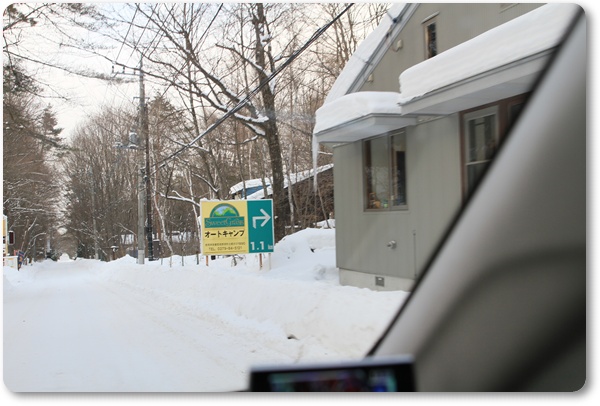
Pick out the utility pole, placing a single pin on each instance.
(144, 225)
(93, 193)
(140, 233)
(143, 120)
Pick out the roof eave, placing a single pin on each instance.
(364, 127)
(500, 83)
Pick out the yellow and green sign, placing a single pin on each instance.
(237, 227)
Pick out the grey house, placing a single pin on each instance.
(414, 119)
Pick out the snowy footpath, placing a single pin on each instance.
(91, 326)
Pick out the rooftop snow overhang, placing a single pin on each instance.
(357, 116)
(500, 63)
(488, 87)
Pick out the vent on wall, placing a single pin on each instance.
(379, 281)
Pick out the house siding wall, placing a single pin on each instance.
(436, 181)
(455, 24)
(434, 193)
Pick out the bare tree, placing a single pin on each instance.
(341, 41)
(101, 185)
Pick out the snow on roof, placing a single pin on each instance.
(355, 105)
(294, 177)
(249, 184)
(364, 53)
(527, 35)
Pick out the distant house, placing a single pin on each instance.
(246, 188)
(414, 120)
(310, 206)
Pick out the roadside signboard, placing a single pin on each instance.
(237, 226)
(260, 227)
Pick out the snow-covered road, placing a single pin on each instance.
(90, 326)
(86, 335)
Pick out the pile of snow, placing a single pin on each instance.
(298, 293)
(65, 258)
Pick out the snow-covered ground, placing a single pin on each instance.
(174, 326)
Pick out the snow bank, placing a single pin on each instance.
(65, 258)
(299, 297)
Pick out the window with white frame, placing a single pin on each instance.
(385, 172)
(483, 128)
(481, 141)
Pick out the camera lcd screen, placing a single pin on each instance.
(371, 375)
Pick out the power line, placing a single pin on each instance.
(126, 34)
(201, 41)
(135, 45)
(255, 91)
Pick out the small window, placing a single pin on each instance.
(483, 129)
(431, 48)
(385, 172)
(481, 141)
